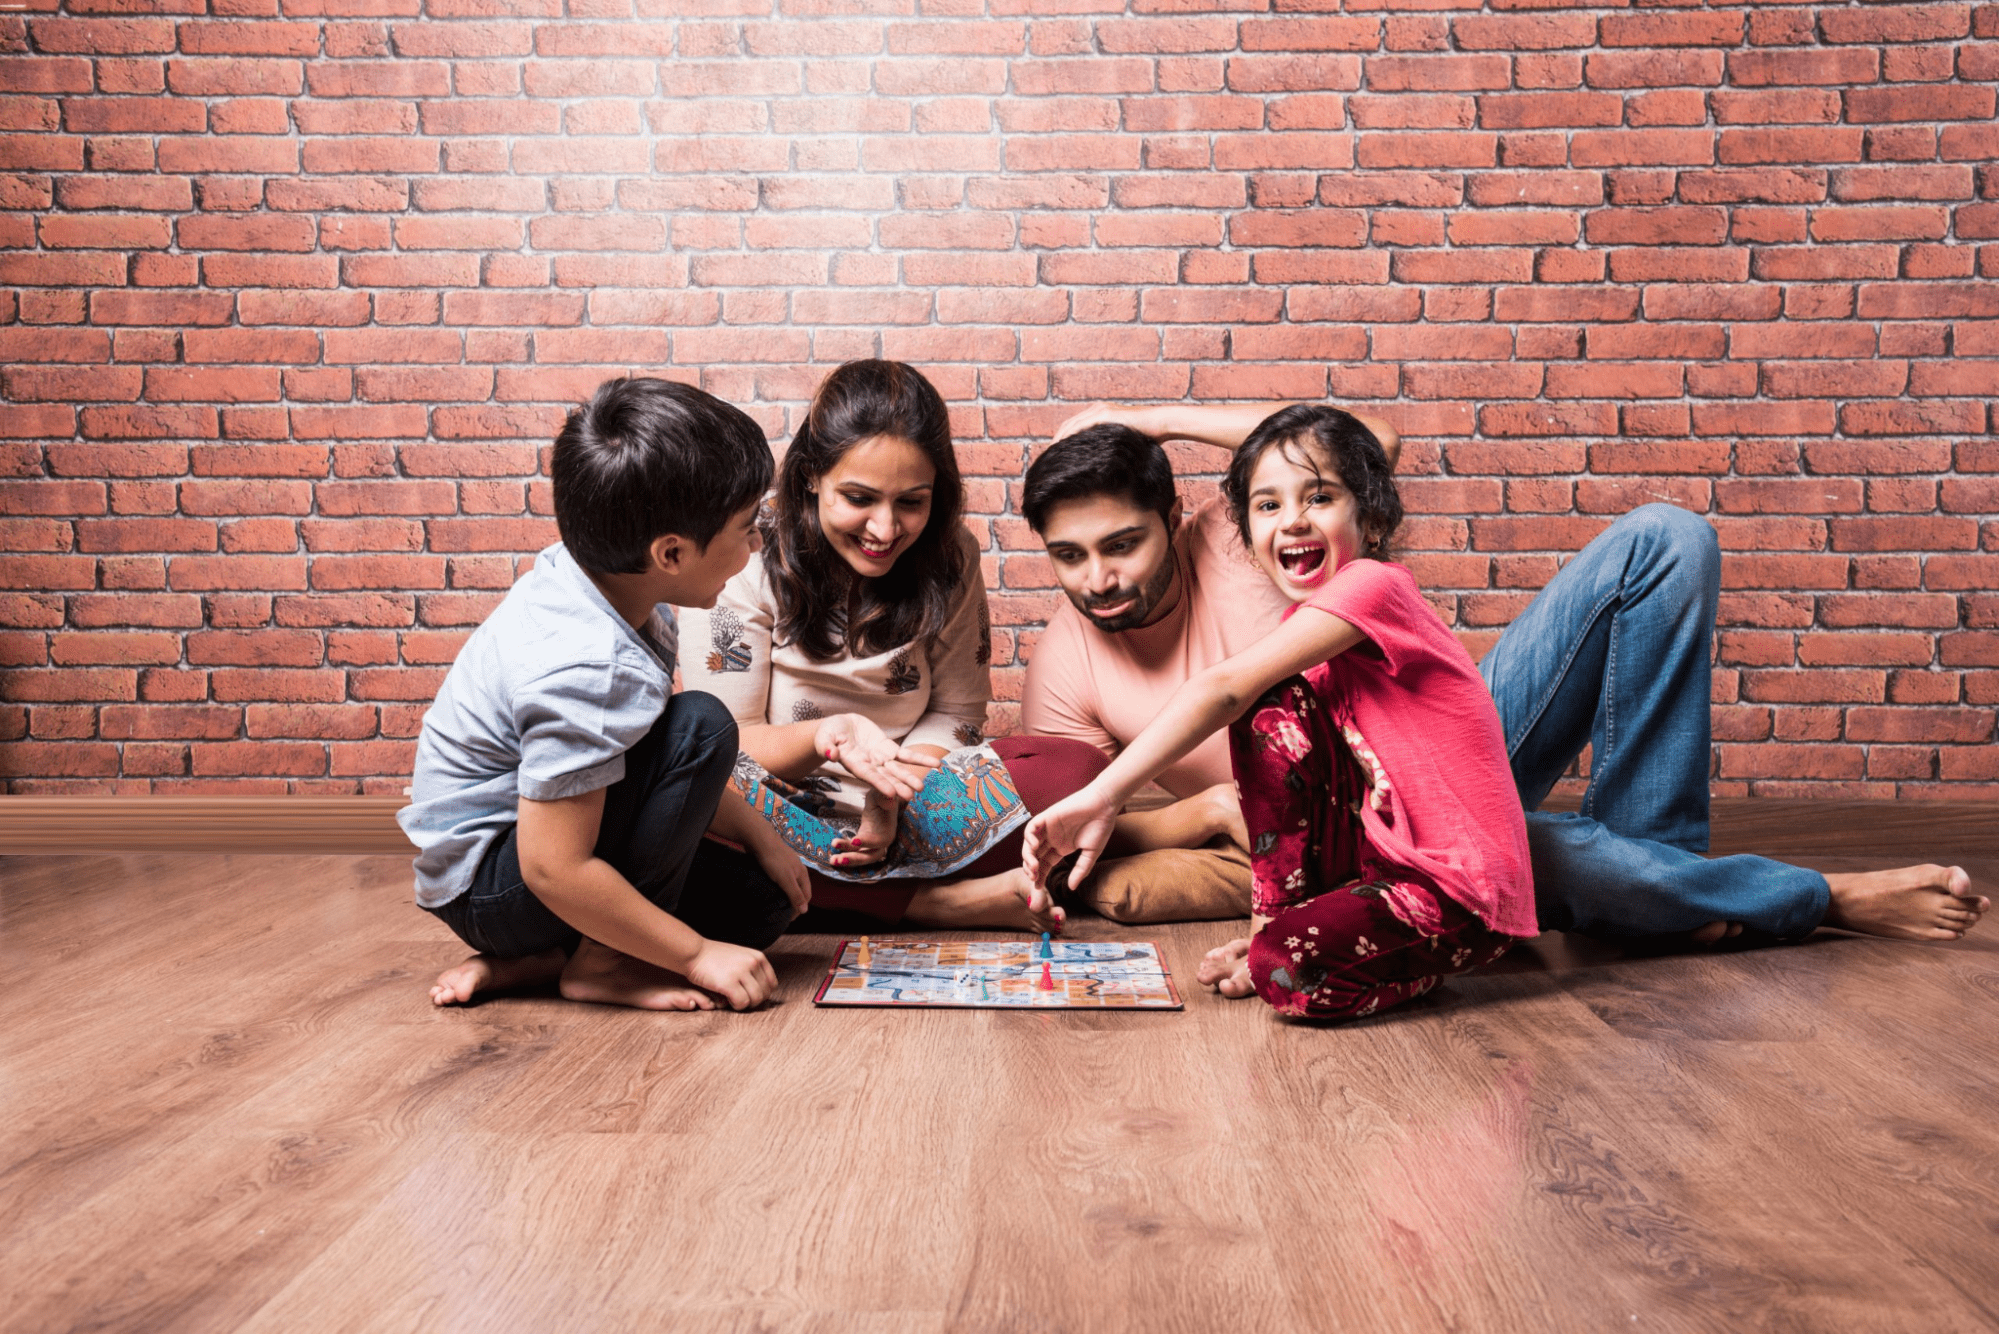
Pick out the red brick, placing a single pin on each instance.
(114, 647)
(162, 722)
(347, 722)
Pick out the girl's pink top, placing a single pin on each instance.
(1444, 801)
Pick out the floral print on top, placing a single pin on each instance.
(925, 694)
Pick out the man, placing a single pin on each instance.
(1613, 653)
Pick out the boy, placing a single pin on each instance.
(562, 789)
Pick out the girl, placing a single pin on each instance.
(853, 654)
(1387, 842)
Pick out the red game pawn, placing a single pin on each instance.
(1047, 983)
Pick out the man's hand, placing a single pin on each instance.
(872, 757)
(737, 974)
(1082, 821)
(1099, 413)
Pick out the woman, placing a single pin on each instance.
(853, 653)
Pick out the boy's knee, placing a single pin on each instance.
(696, 723)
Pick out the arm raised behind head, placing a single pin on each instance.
(1223, 424)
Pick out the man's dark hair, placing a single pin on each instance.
(648, 457)
(1109, 459)
(1322, 435)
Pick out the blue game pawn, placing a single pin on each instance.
(1047, 952)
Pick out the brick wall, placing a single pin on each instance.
(298, 290)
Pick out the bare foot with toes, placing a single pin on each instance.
(1226, 969)
(987, 901)
(611, 978)
(490, 973)
(1926, 903)
(1715, 933)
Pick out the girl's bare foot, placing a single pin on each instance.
(1226, 969)
(1926, 903)
(610, 978)
(988, 901)
(490, 973)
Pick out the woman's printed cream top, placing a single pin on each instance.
(922, 694)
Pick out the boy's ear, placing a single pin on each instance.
(669, 551)
(1175, 515)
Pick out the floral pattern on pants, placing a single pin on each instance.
(1349, 934)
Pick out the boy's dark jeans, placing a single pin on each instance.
(653, 821)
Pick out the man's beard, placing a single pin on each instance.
(1141, 608)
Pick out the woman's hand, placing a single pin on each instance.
(891, 769)
(870, 843)
(1081, 822)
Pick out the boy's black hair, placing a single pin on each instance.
(648, 457)
(1335, 437)
(1108, 459)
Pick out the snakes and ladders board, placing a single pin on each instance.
(1001, 975)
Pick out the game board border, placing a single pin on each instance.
(840, 952)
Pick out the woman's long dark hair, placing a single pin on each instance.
(810, 580)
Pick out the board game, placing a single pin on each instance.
(1000, 975)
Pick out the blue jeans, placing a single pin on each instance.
(1614, 653)
(651, 832)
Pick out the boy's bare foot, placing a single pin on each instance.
(490, 973)
(988, 901)
(1926, 903)
(1715, 933)
(610, 978)
(1226, 969)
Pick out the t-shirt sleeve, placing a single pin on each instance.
(961, 680)
(1381, 601)
(1231, 578)
(1060, 697)
(725, 649)
(575, 724)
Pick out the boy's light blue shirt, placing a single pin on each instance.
(543, 702)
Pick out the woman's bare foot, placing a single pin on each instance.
(1926, 903)
(988, 901)
(1715, 933)
(1226, 969)
(871, 839)
(610, 978)
(490, 973)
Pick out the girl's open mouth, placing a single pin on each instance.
(871, 551)
(1301, 559)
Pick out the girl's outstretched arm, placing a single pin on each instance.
(1211, 699)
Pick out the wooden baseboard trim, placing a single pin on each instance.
(223, 824)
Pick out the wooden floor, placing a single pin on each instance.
(225, 1103)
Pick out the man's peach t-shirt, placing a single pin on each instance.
(1104, 688)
